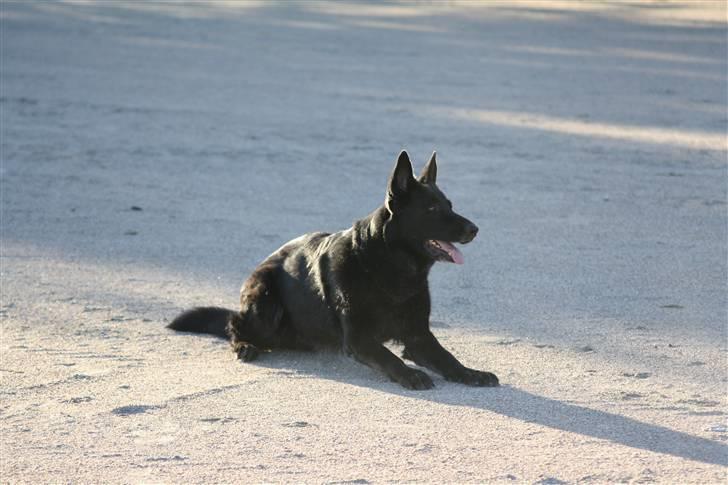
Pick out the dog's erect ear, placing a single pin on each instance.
(400, 181)
(429, 173)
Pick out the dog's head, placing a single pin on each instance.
(422, 217)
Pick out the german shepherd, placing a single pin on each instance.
(356, 289)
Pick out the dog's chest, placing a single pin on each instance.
(396, 320)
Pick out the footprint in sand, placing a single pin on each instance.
(297, 424)
(218, 420)
(638, 375)
(544, 346)
(508, 342)
(550, 481)
(718, 428)
(78, 400)
(700, 402)
(132, 409)
(167, 458)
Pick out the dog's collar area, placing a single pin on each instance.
(444, 251)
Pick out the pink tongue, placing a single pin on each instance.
(455, 254)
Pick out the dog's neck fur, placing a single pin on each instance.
(385, 255)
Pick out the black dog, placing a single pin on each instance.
(356, 289)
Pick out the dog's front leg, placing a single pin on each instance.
(377, 356)
(426, 351)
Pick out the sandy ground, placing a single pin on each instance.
(588, 142)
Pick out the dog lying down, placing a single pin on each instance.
(356, 289)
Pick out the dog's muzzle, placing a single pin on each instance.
(471, 230)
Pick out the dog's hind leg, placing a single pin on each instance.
(261, 323)
(241, 338)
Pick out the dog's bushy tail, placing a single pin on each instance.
(212, 320)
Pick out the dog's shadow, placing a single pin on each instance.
(508, 401)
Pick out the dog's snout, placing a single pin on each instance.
(471, 230)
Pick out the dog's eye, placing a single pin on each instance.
(432, 208)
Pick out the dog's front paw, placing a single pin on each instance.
(472, 377)
(415, 379)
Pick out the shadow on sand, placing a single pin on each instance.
(511, 402)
